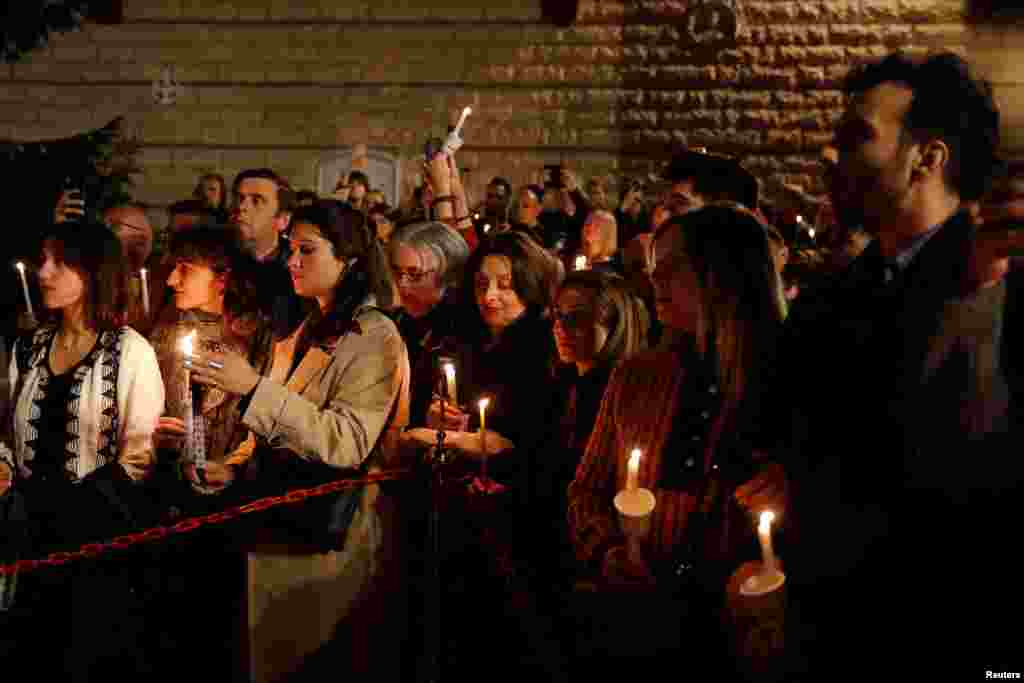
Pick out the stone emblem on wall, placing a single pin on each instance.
(166, 88)
(711, 23)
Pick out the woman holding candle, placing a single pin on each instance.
(336, 397)
(597, 323)
(695, 410)
(426, 263)
(212, 298)
(505, 352)
(86, 394)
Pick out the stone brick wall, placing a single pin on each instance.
(279, 82)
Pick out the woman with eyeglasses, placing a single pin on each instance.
(426, 263)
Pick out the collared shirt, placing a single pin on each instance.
(899, 263)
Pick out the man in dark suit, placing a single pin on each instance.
(904, 466)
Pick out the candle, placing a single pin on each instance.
(764, 534)
(143, 275)
(24, 288)
(811, 232)
(580, 263)
(449, 373)
(462, 119)
(484, 402)
(633, 469)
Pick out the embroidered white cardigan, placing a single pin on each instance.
(123, 365)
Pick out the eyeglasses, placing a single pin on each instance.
(574, 319)
(414, 277)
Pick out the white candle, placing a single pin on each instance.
(462, 119)
(484, 402)
(580, 263)
(764, 534)
(633, 469)
(24, 288)
(449, 373)
(186, 351)
(144, 276)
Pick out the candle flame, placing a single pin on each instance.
(142, 272)
(581, 262)
(634, 458)
(811, 233)
(20, 266)
(449, 372)
(487, 227)
(767, 517)
(186, 343)
(484, 402)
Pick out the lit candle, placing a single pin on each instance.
(187, 343)
(633, 469)
(580, 263)
(484, 402)
(487, 228)
(186, 351)
(810, 232)
(24, 288)
(764, 533)
(144, 276)
(462, 119)
(449, 373)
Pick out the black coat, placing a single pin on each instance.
(903, 412)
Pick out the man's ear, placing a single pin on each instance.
(281, 221)
(933, 157)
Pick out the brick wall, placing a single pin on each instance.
(278, 82)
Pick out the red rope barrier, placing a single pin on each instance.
(93, 550)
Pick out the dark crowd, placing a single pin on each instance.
(635, 425)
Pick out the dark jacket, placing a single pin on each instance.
(903, 428)
(516, 375)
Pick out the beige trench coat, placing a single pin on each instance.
(333, 408)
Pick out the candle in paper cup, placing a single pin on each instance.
(764, 534)
(144, 276)
(449, 374)
(633, 469)
(24, 287)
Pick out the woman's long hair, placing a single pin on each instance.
(618, 309)
(740, 311)
(95, 253)
(367, 272)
